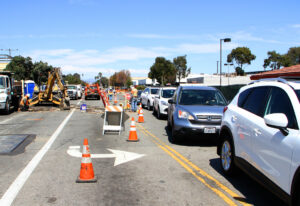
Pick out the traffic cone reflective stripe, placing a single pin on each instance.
(132, 133)
(141, 117)
(86, 170)
(140, 108)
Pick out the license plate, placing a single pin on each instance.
(209, 130)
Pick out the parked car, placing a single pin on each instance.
(72, 91)
(147, 97)
(260, 135)
(160, 104)
(195, 110)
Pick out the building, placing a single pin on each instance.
(214, 80)
(292, 71)
(3, 65)
(143, 81)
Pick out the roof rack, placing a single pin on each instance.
(285, 80)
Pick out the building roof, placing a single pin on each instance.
(291, 71)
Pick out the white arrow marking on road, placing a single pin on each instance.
(121, 156)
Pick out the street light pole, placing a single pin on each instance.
(225, 40)
(228, 70)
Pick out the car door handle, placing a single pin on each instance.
(257, 132)
(233, 118)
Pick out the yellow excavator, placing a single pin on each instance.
(51, 95)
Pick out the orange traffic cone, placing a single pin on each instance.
(141, 117)
(86, 170)
(140, 108)
(132, 134)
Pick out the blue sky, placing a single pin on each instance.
(91, 36)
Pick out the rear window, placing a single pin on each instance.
(71, 87)
(201, 97)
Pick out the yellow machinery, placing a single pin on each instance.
(58, 97)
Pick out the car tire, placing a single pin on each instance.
(148, 106)
(227, 157)
(158, 115)
(85, 98)
(154, 110)
(7, 107)
(76, 97)
(169, 126)
(174, 136)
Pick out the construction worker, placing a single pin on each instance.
(134, 93)
(24, 104)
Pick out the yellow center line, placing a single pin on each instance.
(218, 192)
(200, 171)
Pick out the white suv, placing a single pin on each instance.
(160, 104)
(147, 97)
(260, 135)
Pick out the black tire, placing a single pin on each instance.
(158, 113)
(148, 106)
(169, 126)
(175, 136)
(227, 157)
(7, 107)
(76, 97)
(154, 110)
(85, 98)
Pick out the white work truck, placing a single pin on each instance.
(8, 94)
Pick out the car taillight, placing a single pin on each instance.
(225, 109)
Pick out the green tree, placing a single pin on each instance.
(239, 71)
(72, 79)
(181, 68)
(104, 81)
(276, 60)
(241, 56)
(40, 72)
(161, 69)
(294, 55)
(21, 67)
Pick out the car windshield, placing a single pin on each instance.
(167, 93)
(201, 97)
(154, 91)
(298, 94)
(71, 87)
(92, 87)
(2, 83)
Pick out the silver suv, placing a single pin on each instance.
(260, 135)
(195, 109)
(147, 97)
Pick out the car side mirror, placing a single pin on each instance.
(170, 101)
(278, 121)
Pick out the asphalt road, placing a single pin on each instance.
(41, 172)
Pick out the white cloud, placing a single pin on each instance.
(296, 26)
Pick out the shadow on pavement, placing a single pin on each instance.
(253, 192)
(199, 140)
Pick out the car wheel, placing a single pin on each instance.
(7, 107)
(174, 137)
(158, 113)
(169, 126)
(85, 98)
(148, 106)
(227, 157)
(154, 110)
(76, 97)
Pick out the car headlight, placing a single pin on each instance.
(185, 115)
(2, 98)
(164, 103)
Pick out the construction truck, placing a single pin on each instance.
(92, 91)
(56, 95)
(8, 93)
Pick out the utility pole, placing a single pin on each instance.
(217, 67)
(9, 50)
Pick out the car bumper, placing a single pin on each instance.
(2, 105)
(92, 96)
(186, 127)
(163, 109)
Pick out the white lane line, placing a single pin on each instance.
(79, 102)
(17, 185)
